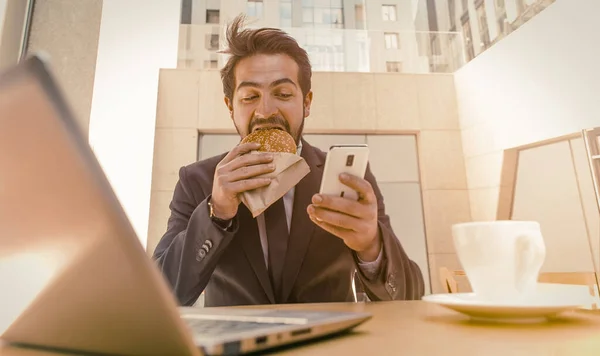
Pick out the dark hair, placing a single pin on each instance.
(248, 42)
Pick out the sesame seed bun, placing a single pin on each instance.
(272, 140)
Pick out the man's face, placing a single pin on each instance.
(267, 95)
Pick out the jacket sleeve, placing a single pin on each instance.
(398, 278)
(188, 252)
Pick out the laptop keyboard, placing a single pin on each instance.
(217, 327)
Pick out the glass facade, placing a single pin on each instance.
(481, 22)
(322, 14)
(388, 12)
(339, 35)
(285, 13)
(254, 8)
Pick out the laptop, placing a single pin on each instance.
(74, 275)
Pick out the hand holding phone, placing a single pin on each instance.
(340, 210)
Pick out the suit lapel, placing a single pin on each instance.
(252, 248)
(302, 227)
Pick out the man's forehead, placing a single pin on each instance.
(265, 69)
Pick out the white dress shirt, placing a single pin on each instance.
(370, 269)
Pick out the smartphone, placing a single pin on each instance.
(351, 159)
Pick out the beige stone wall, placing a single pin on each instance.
(483, 164)
(192, 100)
(68, 31)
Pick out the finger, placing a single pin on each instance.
(334, 230)
(361, 186)
(335, 218)
(247, 184)
(250, 171)
(240, 150)
(343, 205)
(249, 160)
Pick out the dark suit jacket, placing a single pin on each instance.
(318, 265)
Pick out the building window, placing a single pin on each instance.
(393, 67)
(321, 16)
(211, 64)
(465, 6)
(318, 16)
(436, 49)
(212, 42)
(186, 12)
(307, 15)
(388, 12)
(503, 25)
(484, 32)
(391, 40)
(501, 18)
(254, 8)
(468, 40)
(336, 18)
(325, 50)
(521, 7)
(212, 16)
(452, 13)
(359, 16)
(363, 56)
(285, 14)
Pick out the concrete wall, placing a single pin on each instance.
(68, 30)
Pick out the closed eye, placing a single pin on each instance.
(285, 96)
(250, 98)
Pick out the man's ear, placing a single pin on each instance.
(229, 107)
(307, 102)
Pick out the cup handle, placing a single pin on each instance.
(531, 252)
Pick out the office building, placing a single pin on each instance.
(481, 22)
(339, 35)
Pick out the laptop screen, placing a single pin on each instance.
(69, 258)
(46, 218)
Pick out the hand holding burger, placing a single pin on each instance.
(240, 171)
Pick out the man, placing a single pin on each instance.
(213, 244)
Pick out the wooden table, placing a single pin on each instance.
(418, 328)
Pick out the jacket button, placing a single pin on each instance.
(392, 279)
(391, 284)
(208, 243)
(201, 255)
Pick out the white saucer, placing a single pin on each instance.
(537, 308)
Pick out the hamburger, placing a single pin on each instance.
(272, 140)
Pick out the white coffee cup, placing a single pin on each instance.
(502, 259)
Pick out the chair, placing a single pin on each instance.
(447, 280)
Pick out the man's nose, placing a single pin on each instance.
(266, 107)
